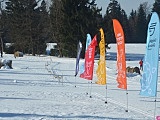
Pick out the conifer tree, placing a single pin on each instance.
(113, 11)
(56, 21)
(132, 25)
(25, 23)
(156, 7)
(78, 17)
(41, 28)
(141, 26)
(16, 16)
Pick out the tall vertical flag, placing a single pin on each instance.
(88, 41)
(150, 64)
(89, 60)
(121, 57)
(101, 70)
(79, 49)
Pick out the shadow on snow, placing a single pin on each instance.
(55, 116)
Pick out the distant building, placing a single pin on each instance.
(50, 46)
(7, 45)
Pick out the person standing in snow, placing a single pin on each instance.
(141, 64)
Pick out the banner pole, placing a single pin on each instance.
(127, 100)
(106, 94)
(75, 81)
(90, 90)
(155, 108)
(87, 88)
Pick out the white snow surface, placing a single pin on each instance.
(45, 88)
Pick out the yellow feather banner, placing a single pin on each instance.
(101, 70)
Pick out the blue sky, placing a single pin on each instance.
(127, 5)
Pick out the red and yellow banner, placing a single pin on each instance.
(89, 60)
(101, 70)
(121, 58)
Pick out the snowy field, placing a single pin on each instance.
(32, 91)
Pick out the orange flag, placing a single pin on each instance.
(101, 70)
(121, 58)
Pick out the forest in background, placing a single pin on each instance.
(30, 25)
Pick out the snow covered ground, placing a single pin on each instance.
(32, 91)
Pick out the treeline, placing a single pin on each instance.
(30, 24)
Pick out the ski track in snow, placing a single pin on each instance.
(30, 92)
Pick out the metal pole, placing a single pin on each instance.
(1, 47)
(2, 31)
